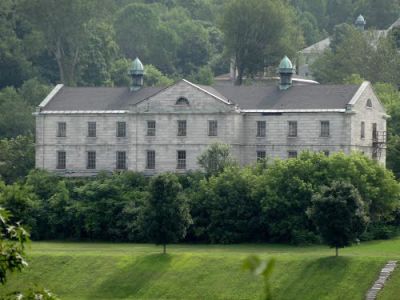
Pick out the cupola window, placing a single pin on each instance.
(182, 101)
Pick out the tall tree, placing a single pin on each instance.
(339, 214)
(256, 31)
(62, 24)
(167, 214)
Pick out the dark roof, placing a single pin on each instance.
(98, 98)
(296, 97)
(246, 97)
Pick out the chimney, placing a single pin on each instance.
(136, 72)
(285, 71)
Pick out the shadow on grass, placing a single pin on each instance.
(315, 280)
(129, 280)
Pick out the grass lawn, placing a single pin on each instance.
(138, 271)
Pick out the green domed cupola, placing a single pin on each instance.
(285, 71)
(136, 71)
(360, 23)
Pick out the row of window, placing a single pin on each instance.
(212, 129)
(120, 161)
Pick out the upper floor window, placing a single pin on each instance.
(151, 159)
(369, 103)
(261, 155)
(151, 128)
(181, 159)
(181, 127)
(121, 160)
(261, 128)
(61, 160)
(91, 129)
(213, 128)
(61, 129)
(324, 128)
(362, 130)
(182, 101)
(292, 154)
(121, 129)
(292, 128)
(91, 160)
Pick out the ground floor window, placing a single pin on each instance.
(121, 160)
(61, 159)
(292, 154)
(181, 163)
(151, 159)
(91, 160)
(260, 155)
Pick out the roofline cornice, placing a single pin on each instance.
(50, 96)
(318, 110)
(207, 92)
(80, 112)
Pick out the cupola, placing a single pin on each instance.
(360, 23)
(136, 72)
(285, 71)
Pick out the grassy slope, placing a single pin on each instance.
(124, 271)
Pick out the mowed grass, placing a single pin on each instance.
(138, 271)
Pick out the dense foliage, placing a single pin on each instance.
(264, 202)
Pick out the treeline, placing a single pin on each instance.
(260, 203)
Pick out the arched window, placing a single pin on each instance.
(369, 103)
(182, 101)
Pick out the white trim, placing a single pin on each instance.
(50, 96)
(339, 110)
(207, 92)
(69, 112)
(359, 92)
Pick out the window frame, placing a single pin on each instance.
(92, 129)
(61, 130)
(261, 155)
(292, 129)
(120, 161)
(182, 101)
(212, 127)
(181, 161)
(261, 128)
(121, 129)
(181, 128)
(151, 131)
(292, 154)
(91, 161)
(150, 159)
(61, 162)
(325, 129)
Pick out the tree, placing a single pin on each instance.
(339, 214)
(17, 158)
(256, 32)
(62, 25)
(154, 77)
(166, 216)
(216, 158)
(12, 244)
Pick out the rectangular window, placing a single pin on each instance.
(292, 154)
(151, 128)
(61, 160)
(362, 130)
(260, 128)
(260, 155)
(326, 152)
(292, 128)
(374, 132)
(62, 129)
(213, 128)
(181, 163)
(91, 160)
(324, 128)
(151, 159)
(121, 129)
(181, 127)
(91, 129)
(121, 160)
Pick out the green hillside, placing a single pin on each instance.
(137, 271)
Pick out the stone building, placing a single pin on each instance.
(83, 130)
(307, 56)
